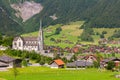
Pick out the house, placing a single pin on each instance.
(29, 43)
(3, 47)
(75, 49)
(79, 64)
(9, 62)
(90, 58)
(2, 64)
(57, 64)
(104, 62)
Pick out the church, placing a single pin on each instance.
(29, 43)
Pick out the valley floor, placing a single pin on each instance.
(42, 73)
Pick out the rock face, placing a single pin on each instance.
(27, 9)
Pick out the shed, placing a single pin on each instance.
(57, 64)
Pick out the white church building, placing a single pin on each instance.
(29, 43)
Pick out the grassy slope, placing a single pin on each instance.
(71, 32)
(40, 73)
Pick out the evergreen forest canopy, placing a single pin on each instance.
(96, 13)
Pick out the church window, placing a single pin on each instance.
(19, 44)
(15, 44)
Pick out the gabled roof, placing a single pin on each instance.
(111, 59)
(16, 38)
(6, 59)
(26, 38)
(86, 57)
(59, 62)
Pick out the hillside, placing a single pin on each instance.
(70, 33)
(7, 25)
(105, 14)
(95, 13)
(67, 37)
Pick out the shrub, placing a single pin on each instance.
(58, 30)
(110, 65)
(104, 32)
(102, 36)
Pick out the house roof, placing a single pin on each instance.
(59, 62)
(83, 63)
(86, 57)
(73, 64)
(6, 59)
(2, 64)
(80, 63)
(111, 59)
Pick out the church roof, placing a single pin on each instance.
(30, 38)
(16, 38)
(26, 38)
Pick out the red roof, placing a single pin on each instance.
(59, 62)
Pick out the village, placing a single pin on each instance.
(32, 52)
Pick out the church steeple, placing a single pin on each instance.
(40, 37)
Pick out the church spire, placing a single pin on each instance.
(40, 24)
(40, 37)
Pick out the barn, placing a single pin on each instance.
(58, 63)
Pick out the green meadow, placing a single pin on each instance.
(42, 73)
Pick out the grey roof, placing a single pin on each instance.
(30, 38)
(26, 38)
(6, 59)
(71, 64)
(83, 63)
(2, 64)
(110, 59)
(80, 63)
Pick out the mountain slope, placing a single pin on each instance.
(96, 13)
(7, 25)
(104, 14)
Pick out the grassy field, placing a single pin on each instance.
(70, 32)
(40, 73)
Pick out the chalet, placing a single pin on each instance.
(9, 62)
(90, 58)
(2, 64)
(57, 64)
(79, 64)
(75, 49)
(104, 62)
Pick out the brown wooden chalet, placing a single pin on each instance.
(104, 62)
(7, 61)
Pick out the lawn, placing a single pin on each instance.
(41, 73)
